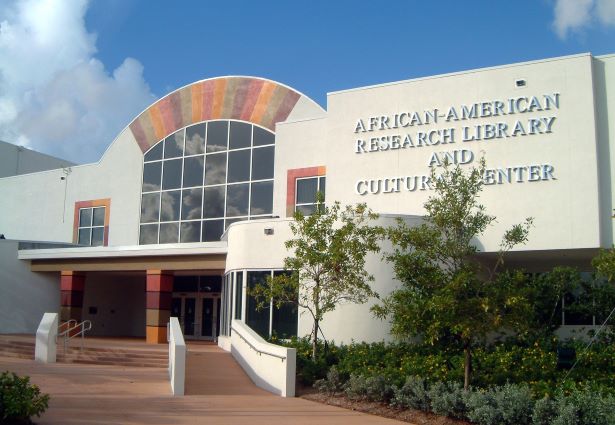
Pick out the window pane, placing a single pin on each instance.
(151, 176)
(262, 163)
(169, 207)
(237, 200)
(217, 135)
(212, 230)
(306, 190)
(148, 234)
(215, 169)
(258, 320)
(240, 135)
(262, 137)
(174, 145)
(191, 203)
(84, 236)
(195, 139)
(239, 166)
(230, 221)
(322, 186)
(98, 236)
(190, 232)
(285, 318)
(85, 217)
(193, 171)
(154, 153)
(213, 202)
(262, 198)
(150, 206)
(99, 216)
(169, 232)
(172, 174)
(238, 294)
(306, 209)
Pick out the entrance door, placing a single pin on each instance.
(197, 314)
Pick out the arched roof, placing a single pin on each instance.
(259, 101)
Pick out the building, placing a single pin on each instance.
(190, 203)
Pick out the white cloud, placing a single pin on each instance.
(55, 96)
(574, 15)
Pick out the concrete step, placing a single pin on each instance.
(115, 363)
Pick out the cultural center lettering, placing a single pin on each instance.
(532, 115)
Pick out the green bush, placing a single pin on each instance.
(414, 394)
(20, 400)
(372, 388)
(332, 384)
(506, 405)
(447, 399)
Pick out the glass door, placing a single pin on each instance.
(184, 308)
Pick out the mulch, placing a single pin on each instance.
(379, 409)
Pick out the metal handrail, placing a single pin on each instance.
(68, 334)
(256, 349)
(71, 322)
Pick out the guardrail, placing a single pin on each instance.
(177, 357)
(270, 366)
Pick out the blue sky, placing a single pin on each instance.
(100, 62)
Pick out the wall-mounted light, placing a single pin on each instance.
(269, 231)
(520, 83)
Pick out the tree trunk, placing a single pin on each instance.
(467, 369)
(315, 341)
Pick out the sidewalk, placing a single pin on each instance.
(93, 394)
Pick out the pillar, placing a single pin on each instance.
(159, 289)
(72, 285)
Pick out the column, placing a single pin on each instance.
(159, 289)
(72, 285)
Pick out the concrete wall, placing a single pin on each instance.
(24, 296)
(16, 160)
(604, 88)
(42, 204)
(120, 304)
(565, 209)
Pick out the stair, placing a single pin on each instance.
(129, 357)
(15, 346)
(22, 346)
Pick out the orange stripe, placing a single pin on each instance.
(219, 89)
(263, 102)
(197, 102)
(157, 122)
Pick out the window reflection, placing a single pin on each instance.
(215, 169)
(239, 166)
(197, 181)
(237, 200)
(195, 139)
(169, 206)
(217, 136)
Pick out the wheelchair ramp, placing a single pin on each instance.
(212, 371)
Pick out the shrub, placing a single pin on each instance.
(413, 394)
(20, 400)
(584, 407)
(506, 405)
(447, 399)
(332, 384)
(545, 410)
(372, 388)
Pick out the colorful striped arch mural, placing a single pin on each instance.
(259, 101)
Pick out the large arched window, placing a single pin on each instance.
(202, 178)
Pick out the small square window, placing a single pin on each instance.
(91, 227)
(306, 192)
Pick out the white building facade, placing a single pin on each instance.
(190, 204)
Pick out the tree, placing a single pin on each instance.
(327, 266)
(447, 295)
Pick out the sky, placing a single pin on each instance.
(74, 73)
